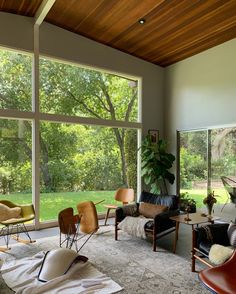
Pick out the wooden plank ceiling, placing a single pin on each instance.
(173, 29)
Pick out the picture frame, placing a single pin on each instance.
(154, 135)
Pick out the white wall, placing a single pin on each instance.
(17, 32)
(201, 91)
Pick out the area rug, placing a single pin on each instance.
(130, 262)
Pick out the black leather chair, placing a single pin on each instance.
(161, 224)
(204, 237)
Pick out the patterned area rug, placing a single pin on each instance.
(130, 262)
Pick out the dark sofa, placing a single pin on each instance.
(161, 224)
(202, 241)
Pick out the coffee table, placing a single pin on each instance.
(195, 219)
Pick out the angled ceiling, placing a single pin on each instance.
(173, 29)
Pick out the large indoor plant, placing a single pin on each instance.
(156, 162)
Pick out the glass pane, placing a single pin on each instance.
(15, 81)
(193, 165)
(72, 90)
(223, 160)
(81, 163)
(16, 158)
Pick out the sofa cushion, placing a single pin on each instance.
(9, 213)
(151, 210)
(168, 200)
(219, 254)
(232, 234)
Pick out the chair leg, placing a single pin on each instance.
(21, 228)
(116, 231)
(154, 240)
(107, 214)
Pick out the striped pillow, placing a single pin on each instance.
(232, 234)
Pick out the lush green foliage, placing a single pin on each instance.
(194, 159)
(73, 157)
(131, 156)
(156, 163)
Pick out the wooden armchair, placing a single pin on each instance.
(202, 243)
(221, 279)
(161, 225)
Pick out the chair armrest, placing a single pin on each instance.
(217, 231)
(163, 222)
(126, 210)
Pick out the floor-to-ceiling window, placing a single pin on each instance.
(88, 133)
(205, 157)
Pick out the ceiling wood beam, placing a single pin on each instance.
(43, 10)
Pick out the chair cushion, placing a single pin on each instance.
(219, 254)
(7, 213)
(151, 210)
(232, 234)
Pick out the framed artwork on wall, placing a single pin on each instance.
(154, 135)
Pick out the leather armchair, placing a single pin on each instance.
(204, 237)
(161, 224)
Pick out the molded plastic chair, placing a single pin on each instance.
(13, 227)
(221, 279)
(124, 195)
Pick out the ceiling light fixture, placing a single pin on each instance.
(142, 21)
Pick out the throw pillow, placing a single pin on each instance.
(219, 254)
(151, 210)
(8, 213)
(232, 234)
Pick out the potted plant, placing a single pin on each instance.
(156, 162)
(185, 201)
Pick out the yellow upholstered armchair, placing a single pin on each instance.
(12, 220)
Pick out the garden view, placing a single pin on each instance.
(77, 161)
(206, 156)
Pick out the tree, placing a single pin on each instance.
(69, 90)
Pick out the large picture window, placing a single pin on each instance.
(205, 157)
(78, 142)
(81, 163)
(73, 90)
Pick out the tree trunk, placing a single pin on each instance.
(120, 141)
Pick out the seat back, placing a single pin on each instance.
(221, 279)
(168, 200)
(66, 221)
(88, 217)
(124, 195)
(9, 203)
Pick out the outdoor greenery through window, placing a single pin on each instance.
(206, 156)
(72, 90)
(15, 81)
(81, 163)
(77, 162)
(16, 160)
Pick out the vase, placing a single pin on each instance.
(209, 210)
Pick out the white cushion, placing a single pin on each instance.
(219, 254)
(8, 213)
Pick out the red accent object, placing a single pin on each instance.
(221, 279)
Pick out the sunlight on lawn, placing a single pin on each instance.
(200, 194)
(52, 203)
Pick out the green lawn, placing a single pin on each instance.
(52, 203)
(199, 195)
